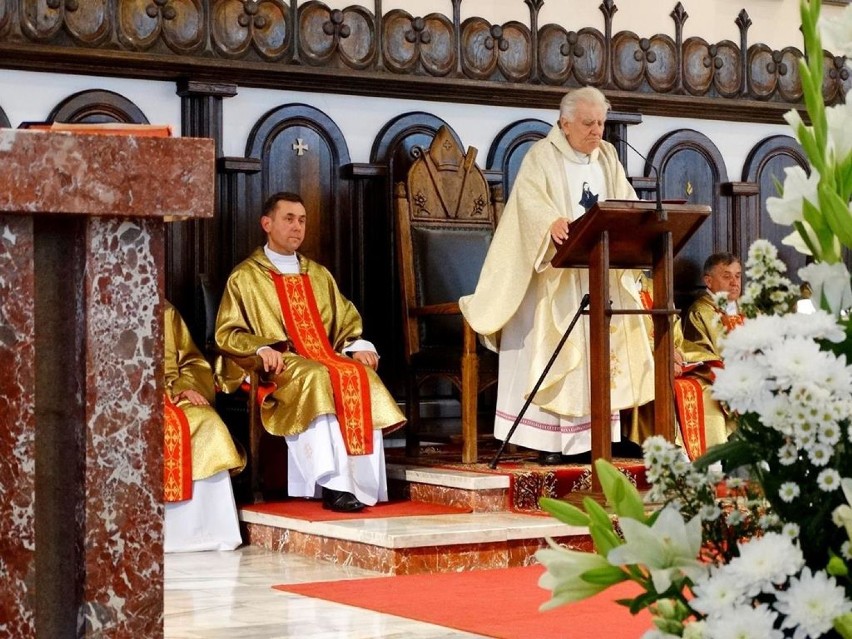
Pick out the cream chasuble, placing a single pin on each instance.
(523, 305)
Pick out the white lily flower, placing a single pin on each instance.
(564, 568)
(837, 33)
(798, 186)
(667, 549)
(830, 280)
(839, 118)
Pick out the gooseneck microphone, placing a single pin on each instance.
(661, 213)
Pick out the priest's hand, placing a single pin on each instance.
(273, 361)
(367, 358)
(559, 230)
(678, 363)
(193, 397)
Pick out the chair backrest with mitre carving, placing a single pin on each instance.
(446, 218)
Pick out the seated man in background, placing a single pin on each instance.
(707, 319)
(330, 407)
(200, 509)
(713, 314)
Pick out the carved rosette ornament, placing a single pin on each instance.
(87, 22)
(425, 43)
(337, 37)
(565, 54)
(772, 71)
(179, 24)
(715, 66)
(637, 60)
(241, 25)
(494, 49)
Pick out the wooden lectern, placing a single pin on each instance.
(629, 234)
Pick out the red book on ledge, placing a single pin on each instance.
(103, 128)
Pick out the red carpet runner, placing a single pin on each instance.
(312, 510)
(500, 603)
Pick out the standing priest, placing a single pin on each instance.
(522, 305)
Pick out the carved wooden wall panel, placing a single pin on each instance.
(4, 121)
(309, 46)
(766, 163)
(692, 169)
(302, 150)
(97, 106)
(511, 145)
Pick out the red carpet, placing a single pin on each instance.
(312, 510)
(500, 603)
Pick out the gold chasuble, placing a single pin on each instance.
(348, 377)
(251, 315)
(177, 465)
(197, 442)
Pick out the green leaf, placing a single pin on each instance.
(836, 214)
(604, 576)
(605, 538)
(620, 493)
(564, 512)
(843, 625)
(596, 513)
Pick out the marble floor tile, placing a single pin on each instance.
(213, 595)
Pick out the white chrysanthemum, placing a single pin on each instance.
(735, 483)
(796, 360)
(820, 454)
(829, 431)
(769, 521)
(709, 512)
(755, 335)
(744, 622)
(717, 593)
(742, 385)
(788, 491)
(788, 454)
(818, 325)
(791, 530)
(811, 602)
(766, 562)
(798, 186)
(828, 480)
(734, 518)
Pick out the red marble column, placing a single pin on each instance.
(17, 427)
(81, 281)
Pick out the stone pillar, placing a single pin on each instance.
(81, 280)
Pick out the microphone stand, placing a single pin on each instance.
(583, 304)
(662, 215)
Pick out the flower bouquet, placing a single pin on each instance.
(766, 553)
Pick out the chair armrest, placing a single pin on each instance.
(447, 308)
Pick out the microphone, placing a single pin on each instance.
(662, 216)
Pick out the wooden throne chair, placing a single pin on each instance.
(446, 214)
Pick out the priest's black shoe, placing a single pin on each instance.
(546, 458)
(340, 502)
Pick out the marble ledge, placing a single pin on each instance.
(448, 478)
(64, 173)
(416, 532)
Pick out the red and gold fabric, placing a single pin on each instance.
(177, 453)
(250, 316)
(348, 377)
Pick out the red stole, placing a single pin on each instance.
(349, 380)
(177, 453)
(689, 403)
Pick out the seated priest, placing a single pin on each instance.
(694, 405)
(713, 314)
(328, 402)
(199, 452)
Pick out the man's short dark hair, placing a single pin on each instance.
(725, 259)
(282, 196)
